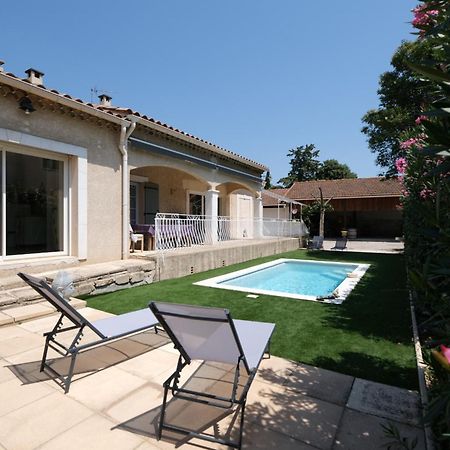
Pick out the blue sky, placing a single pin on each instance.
(254, 76)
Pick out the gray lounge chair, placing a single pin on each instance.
(211, 335)
(108, 329)
(316, 243)
(341, 244)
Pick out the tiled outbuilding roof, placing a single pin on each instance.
(345, 188)
(272, 201)
(121, 113)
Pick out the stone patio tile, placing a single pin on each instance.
(260, 438)
(5, 319)
(14, 394)
(141, 401)
(275, 370)
(150, 364)
(95, 432)
(28, 427)
(14, 340)
(28, 312)
(41, 325)
(5, 373)
(363, 431)
(104, 388)
(170, 348)
(153, 444)
(304, 418)
(385, 401)
(319, 383)
(94, 314)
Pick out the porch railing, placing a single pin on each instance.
(174, 231)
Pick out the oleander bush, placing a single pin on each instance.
(425, 171)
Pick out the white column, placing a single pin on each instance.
(211, 212)
(258, 216)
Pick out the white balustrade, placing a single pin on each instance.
(173, 231)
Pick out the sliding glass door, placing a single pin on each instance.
(34, 203)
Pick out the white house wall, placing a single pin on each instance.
(103, 173)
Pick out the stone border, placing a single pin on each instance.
(421, 367)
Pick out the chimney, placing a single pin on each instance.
(105, 100)
(35, 77)
(1, 65)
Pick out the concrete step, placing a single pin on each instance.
(9, 270)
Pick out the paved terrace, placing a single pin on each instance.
(115, 398)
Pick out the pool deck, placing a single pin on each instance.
(116, 395)
(368, 246)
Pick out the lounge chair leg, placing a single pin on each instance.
(163, 411)
(70, 374)
(241, 430)
(44, 355)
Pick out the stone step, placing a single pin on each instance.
(88, 279)
(23, 313)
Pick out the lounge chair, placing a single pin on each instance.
(341, 244)
(316, 243)
(105, 330)
(211, 335)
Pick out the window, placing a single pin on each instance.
(34, 195)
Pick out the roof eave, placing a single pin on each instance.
(197, 142)
(17, 83)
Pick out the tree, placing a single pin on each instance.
(332, 169)
(402, 94)
(304, 164)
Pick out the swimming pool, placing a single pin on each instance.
(325, 281)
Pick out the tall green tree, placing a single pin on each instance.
(332, 169)
(304, 164)
(402, 94)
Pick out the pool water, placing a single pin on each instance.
(329, 282)
(295, 277)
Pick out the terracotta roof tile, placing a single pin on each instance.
(121, 112)
(271, 201)
(346, 188)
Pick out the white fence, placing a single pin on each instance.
(174, 231)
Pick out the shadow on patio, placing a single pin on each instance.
(275, 417)
(93, 360)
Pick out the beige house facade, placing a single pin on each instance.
(75, 175)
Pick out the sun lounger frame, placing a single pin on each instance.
(172, 383)
(79, 322)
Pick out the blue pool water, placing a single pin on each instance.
(295, 277)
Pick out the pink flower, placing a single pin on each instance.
(426, 193)
(413, 142)
(422, 16)
(401, 165)
(405, 193)
(421, 119)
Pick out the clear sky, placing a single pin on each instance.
(254, 76)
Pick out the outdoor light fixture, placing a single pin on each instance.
(26, 105)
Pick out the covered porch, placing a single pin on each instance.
(176, 208)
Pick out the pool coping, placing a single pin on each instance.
(339, 294)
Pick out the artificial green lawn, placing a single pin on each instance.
(368, 336)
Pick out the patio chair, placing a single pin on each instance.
(136, 238)
(316, 243)
(106, 330)
(341, 244)
(211, 335)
